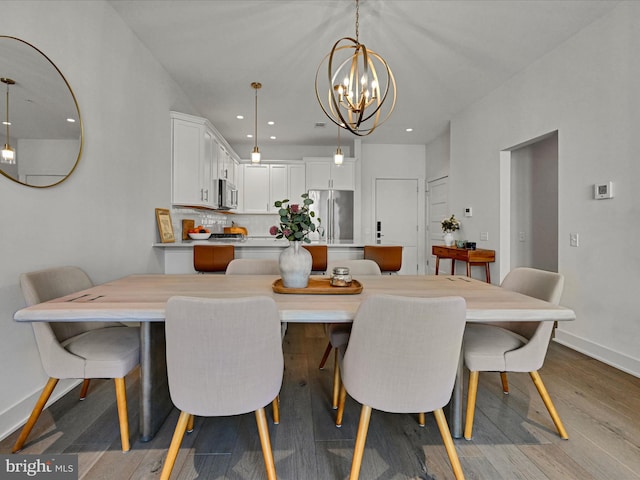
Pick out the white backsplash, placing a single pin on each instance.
(256, 225)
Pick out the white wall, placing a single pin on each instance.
(102, 218)
(587, 90)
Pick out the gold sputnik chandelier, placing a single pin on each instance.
(360, 84)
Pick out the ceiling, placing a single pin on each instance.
(445, 55)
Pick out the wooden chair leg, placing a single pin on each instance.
(361, 438)
(276, 410)
(84, 389)
(35, 414)
(341, 401)
(263, 431)
(174, 448)
(537, 381)
(336, 381)
(505, 382)
(190, 423)
(121, 400)
(421, 419)
(325, 356)
(471, 404)
(441, 420)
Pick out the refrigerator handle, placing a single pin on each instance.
(330, 220)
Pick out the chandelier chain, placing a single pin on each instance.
(357, 21)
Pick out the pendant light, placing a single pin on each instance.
(338, 157)
(360, 84)
(255, 154)
(8, 153)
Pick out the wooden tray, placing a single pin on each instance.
(319, 286)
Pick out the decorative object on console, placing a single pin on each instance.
(295, 225)
(449, 225)
(356, 103)
(255, 154)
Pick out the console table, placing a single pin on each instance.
(478, 257)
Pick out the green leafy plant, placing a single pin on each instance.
(295, 220)
(450, 224)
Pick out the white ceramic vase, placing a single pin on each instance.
(295, 266)
(448, 239)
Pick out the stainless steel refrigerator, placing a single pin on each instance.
(335, 210)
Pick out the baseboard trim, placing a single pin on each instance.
(16, 416)
(618, 360)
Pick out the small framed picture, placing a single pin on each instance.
(165, 227)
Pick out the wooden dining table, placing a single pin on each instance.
(142, 298)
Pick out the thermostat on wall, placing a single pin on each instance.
(603, 190)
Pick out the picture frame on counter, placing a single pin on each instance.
(165, 227)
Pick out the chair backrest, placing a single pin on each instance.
(536, 283)
(403, 352)
(234, 363)
(356, 267)
(253, 266)
(318, 257)
(388, 257)
(43, 285)
(212, 258)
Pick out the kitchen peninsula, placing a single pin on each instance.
(178, 257)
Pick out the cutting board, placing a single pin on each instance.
(186, 226)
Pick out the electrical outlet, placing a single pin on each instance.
(574, 239)
(484, 236)
(522, 237)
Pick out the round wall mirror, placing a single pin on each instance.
(39, 116)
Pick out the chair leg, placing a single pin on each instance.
(35, 414)
(471, 404)
(421, 419)
(174, 448)
(448, 444)
(191, 423)
(505, 382)
(84, 389)
(336, 381)
(361, 438)
(276, 410)
(267, 453)
(121, 400)
(341, 401)
(537, 381)
(325, 356)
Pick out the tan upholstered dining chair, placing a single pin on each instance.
(235, 365)
(402, 357)
(78, 349)
(338, 333)
(513, 346)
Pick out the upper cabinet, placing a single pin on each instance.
(265, 183)
(323, 173)
(200, 156)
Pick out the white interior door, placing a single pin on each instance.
(396, 218)
(437, 209)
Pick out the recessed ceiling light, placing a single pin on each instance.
(272, 137)
(271, 122)
(240, 117)
(71, 120)
(409, 130)
(249, 135)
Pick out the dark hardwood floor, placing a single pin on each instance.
(514, 437)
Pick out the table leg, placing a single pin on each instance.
(487, 272)
(155, 401)
(455, 406)
(468, 269)
(437, 264)
(453, 267)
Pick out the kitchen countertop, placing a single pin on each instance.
(250, 242)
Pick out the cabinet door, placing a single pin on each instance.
(318, 175)
(187, 157)
(297, 181)
(278, 188)
(256, 188)
(343, 176)
(208, 170)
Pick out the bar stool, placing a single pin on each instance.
(318, 257)
(212, 258)
(388, 257)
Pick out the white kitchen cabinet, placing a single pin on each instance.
(263, 184)
(324, 173)
(192, 161)
(226, 164)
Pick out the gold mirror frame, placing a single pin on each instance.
(34, 76)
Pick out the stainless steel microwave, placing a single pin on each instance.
(226, 195)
